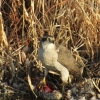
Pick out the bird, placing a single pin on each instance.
(57, 58)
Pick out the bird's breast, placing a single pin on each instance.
(48, 57)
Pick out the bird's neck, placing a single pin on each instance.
(48, 46)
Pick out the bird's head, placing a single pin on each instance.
(48, 41)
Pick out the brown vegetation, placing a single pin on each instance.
(76, 23)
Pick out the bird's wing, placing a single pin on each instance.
(66, 59)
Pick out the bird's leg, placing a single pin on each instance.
(43, 81)
(63, 87)
(45, 75)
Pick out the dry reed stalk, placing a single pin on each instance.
(75, 23)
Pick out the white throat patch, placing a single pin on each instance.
(48, 45)
(51, 46)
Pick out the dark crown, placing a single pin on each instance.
(48, 38)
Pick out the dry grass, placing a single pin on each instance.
(76, 23)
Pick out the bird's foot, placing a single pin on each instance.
(42, 82)
(63, 88)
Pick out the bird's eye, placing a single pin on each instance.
(51, 40)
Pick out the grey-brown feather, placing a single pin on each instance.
(66, 58)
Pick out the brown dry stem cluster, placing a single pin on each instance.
(76, 23)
